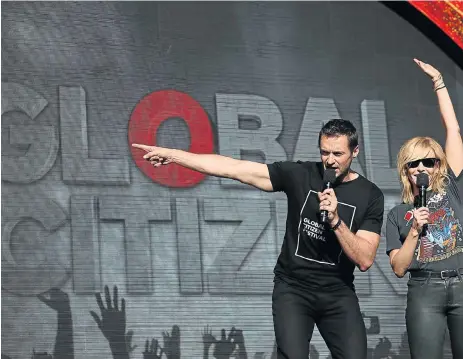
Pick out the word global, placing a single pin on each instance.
(159, 106)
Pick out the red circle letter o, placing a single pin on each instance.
(146, 118)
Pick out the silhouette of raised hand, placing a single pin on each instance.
(112, 323)
(154, 351)
(128, 342)
(172, 343)
(41, 355)
(208, 338)
(58, 300)
(238, 338)
(383, 349)
(225, 346)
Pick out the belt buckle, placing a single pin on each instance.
(449, 272)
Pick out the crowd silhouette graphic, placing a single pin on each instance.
(218, 344)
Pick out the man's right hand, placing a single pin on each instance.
(157, 156)
(421, 217)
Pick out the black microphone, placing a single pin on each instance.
(329, 177)
(422, 181)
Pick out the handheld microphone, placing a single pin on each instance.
(422, 181)
(329, 177)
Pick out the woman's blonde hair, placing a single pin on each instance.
(417, 148)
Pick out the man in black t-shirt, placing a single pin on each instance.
(314, 272)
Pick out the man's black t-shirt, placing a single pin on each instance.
(441, 246)
(311, 254)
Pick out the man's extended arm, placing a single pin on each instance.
(251, 173)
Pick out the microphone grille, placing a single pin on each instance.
(329, 175)
(422, 180)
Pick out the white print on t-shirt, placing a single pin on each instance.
(313, 229)
(311, 236)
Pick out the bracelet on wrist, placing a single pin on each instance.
(416, 232)
(336, 226)
(439, 77)
(438, 83)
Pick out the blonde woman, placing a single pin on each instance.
(427, 242)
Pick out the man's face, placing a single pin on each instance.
(335, 153)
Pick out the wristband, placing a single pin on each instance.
(439, 77)
(336, 226)
(438, 83)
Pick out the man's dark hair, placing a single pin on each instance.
(338, 127)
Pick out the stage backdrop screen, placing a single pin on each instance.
(190, 255)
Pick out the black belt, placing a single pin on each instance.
(441, 275)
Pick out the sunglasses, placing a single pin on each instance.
(427, 162)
